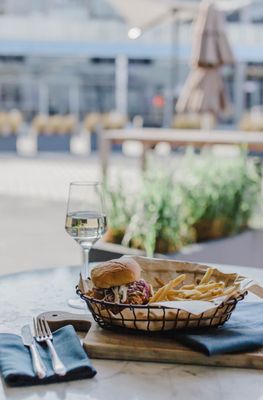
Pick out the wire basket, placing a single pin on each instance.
(154, 318)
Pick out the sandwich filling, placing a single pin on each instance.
(137, 292)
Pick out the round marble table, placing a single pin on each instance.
(26, 294)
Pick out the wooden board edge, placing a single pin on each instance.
(187, 357)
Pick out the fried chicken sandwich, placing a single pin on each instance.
(119, 281)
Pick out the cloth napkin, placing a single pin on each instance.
(243, 332)
(16, 365)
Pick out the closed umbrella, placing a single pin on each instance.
(204, 90)
(210, 45)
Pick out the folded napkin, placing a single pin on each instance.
(243, 332)
(16, 365)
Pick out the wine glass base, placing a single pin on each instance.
(78, 303)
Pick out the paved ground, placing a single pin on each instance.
(47, 177)
(33, 194)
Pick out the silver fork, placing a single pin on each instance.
(44, 334)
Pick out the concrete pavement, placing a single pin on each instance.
(33, 195)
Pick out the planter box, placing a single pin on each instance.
(103, 251)
(243, 249)
(8, 143)
(58, 143)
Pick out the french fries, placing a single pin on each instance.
(188, 287)
(206, 276)
(159, 281)
(207, 289)
(161, 293)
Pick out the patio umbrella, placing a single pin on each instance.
(204, 90)
(146, 14)
(210, 45)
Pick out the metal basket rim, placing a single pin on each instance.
(230, 301)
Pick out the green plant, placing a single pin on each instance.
(119, 208)
(160, 220)
(220, 189)
(203, 197)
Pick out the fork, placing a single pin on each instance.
(44, 334)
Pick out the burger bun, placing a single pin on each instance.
(117, 272)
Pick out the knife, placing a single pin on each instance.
(28, 340)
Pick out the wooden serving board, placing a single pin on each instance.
(100, 343)
(105, 344)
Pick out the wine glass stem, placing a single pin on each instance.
(85, 267)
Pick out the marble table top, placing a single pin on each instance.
(26, 294)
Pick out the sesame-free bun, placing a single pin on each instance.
(115, 273)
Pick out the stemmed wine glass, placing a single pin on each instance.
(85, 221)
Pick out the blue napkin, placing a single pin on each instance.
(16, 365)
(243, 332)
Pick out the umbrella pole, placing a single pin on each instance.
(208, 121)
(174, 59)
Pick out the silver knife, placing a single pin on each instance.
(37, 362)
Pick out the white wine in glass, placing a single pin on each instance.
(85, 221)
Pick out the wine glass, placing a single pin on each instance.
(85, 222)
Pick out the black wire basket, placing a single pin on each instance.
(154, 318)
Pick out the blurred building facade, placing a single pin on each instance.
(60, 56)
